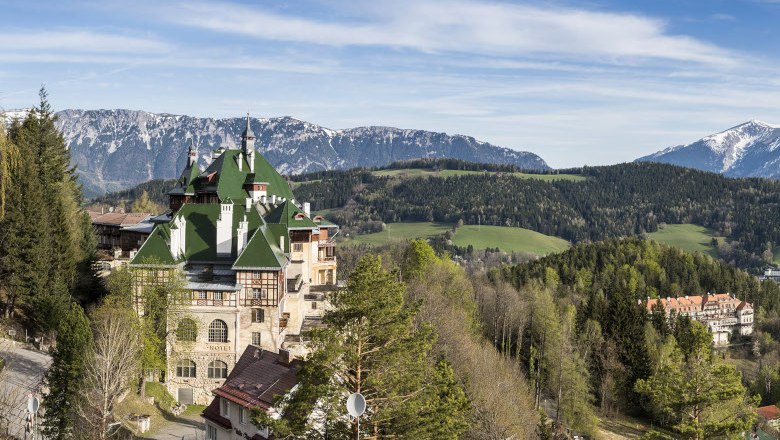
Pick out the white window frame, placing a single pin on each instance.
(258, 340)
(211, 432)
(242, 415)
(224, 409)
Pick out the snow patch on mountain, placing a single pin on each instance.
(745, 150)
(121, 148)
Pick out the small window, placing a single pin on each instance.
(259, 294)
(201, 294)
(297, 247)
(225, 407)
(314, 305)
(219, 296)
(218, 331)
(217, 370)
(185, 368)
(212, 433)
(242, 415)
(258, 315)
(187, 330)
(256, 338)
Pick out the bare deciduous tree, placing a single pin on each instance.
(112, 369)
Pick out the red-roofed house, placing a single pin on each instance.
(722, 313)
(258, 377)
(769, 414)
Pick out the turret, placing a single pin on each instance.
(192, 154)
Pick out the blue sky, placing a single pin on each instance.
(592, 82)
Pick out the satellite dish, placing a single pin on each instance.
(356, 404)
(33, 404)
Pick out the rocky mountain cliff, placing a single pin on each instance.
(116, 149)
(747, 150)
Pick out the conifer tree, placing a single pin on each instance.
(63, 379)
(371, 346)
(698, 395)
(23, 245)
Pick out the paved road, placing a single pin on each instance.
(178, 428)
(23, 373)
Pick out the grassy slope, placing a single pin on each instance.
(416, 172)
(399, 232)
(481, 237)
(509, 239)
(686, 236)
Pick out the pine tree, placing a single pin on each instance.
(371, 346)
(698, 395)
(74, 338)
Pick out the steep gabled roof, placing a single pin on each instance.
(289, 215)
(186, 182)
(230, 180)
(262, 252)
(155, 249)
(200, 235)
(259, 376)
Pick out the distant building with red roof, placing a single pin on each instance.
(769, 414)
(722, 313)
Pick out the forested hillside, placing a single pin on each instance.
(613, 201)
(581, 310)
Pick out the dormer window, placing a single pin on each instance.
(299, 216)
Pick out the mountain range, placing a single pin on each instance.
(116, 149)
(751, 149)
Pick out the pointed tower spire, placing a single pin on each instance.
(192, 153)
(248, 145)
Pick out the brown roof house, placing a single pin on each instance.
(770, 415)
(256, 380)
(722, 313)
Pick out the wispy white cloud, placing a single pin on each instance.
(79, 40)
(466, 26)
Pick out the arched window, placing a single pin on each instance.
(217, 370)
(187, 330)
(185, 368)
(218, 331)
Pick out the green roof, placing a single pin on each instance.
(155, 249)
(262, 251)
(287, 214)
(186, 182)
(200, 235)
(230, 181)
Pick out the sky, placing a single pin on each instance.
(577, 82)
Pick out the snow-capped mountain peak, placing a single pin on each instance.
(747, 149)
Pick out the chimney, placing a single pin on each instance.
(285, 357)
(273, 199)
(242, 235)
(281, 243)
(262, 199)
(178, 236)
(224, 228)
(307, 209)
(240, 160)
(248, 203)
(102, 210)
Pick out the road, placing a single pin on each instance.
(23, 373)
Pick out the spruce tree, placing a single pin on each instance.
(23, 238)
(63, 379)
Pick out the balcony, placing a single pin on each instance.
(214, 302)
